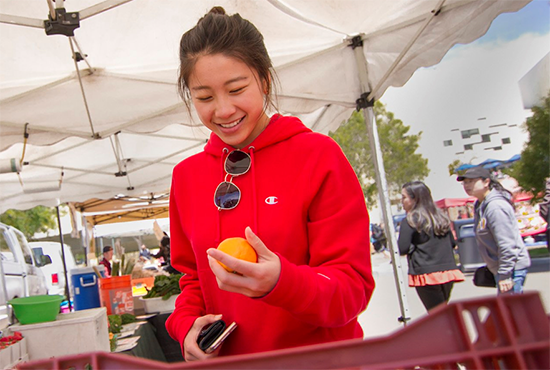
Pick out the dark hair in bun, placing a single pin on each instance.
(230, 35)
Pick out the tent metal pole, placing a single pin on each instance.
(21, 21)
(370, 122)
(67, 292)
(100, 8)
(429, 18)
(88, 113)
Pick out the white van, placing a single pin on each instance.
(54, 273)
(20, 274)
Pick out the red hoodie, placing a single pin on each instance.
(302, 198)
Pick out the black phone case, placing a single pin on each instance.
(209, 334)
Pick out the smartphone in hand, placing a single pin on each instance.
(213, 335)
(221, 338)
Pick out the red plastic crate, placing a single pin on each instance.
(504, 332)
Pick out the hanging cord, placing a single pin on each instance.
(61, 177)
(21, 161)
(121, 162)
(25, 138)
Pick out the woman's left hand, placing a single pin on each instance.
(254, 279)
(505, 285)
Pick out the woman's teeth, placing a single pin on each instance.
(231, 124)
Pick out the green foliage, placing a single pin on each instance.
(115, 268)
(401, 162)
(165, 286)
(533, 168)
(453, 166)
(115, 323)
(123, 267)
(127, 318)
(31, 221)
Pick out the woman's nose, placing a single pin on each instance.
(224, 108)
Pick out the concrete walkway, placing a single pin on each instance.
(381, 316)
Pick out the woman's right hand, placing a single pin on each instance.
(191, 351)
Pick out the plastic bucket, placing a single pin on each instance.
(35, 309)
(85, 287)
(116, 294)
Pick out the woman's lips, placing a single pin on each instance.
(231, 124)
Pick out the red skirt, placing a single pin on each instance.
(436, 278)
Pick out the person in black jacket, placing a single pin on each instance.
(425, 237)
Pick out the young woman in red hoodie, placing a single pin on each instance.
(289, 191)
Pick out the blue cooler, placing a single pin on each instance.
(86, 287)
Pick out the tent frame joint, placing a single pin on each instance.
(356, 41)
(64, 23)
(363, 102)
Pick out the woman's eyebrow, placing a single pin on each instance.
(228, 82)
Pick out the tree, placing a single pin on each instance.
(533, 168)
(31, 221)
(401, 162)
(453, 166)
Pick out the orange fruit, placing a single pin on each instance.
(239, 248)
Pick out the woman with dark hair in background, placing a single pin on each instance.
(496, 229)
(425, 237)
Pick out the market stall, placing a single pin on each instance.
(457, 208)
(529, 221)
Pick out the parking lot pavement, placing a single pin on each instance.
(382, 314)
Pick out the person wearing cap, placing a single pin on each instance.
(496, 230)
(106, 261)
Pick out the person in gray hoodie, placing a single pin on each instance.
(496, 230)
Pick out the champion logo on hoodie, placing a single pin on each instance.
(271, 200)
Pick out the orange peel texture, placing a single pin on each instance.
(239, 248)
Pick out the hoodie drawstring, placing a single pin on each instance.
(225, 151)
(254, 200)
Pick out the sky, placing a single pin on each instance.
(474, 86)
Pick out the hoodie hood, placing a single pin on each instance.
(279, 128)
(497, 235)
(495, 195)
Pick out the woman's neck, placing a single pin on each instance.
(482, 196)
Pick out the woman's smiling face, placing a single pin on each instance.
(229, 99)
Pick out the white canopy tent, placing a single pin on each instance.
(130, 127)
(112, 122)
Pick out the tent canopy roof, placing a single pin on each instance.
(128, 129)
